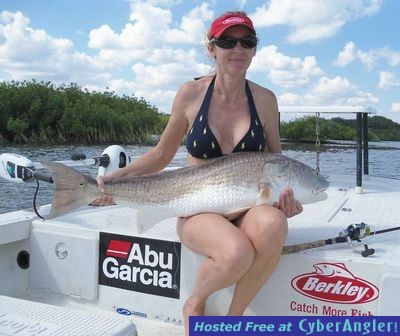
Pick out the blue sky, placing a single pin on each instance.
(311, 52)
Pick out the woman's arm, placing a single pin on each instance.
(162, 154)
(271, 124)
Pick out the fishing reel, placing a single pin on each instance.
(356, 232)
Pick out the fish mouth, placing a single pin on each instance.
(320, 190)
(320, 193)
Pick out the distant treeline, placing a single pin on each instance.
(304, 129)
(41, 112)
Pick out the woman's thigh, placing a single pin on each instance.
(210, 234)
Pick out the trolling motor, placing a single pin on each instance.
(20, 169)
(16, 168)
(357, 232)
(113, 158)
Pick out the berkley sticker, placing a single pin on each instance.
(335, 283)
(140, 264)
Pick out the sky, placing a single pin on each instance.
(311, 52)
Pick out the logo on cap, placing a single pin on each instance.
(234, 19)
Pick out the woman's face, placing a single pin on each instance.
(237, 59)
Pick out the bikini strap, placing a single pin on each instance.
(252, 105)
(207, 99)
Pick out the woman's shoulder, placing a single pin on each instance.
(196, 83)
(261, 91)
(265, 101)
(193, 88)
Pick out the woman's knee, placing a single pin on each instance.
(266, 224)
(220, 240)
(236, 256)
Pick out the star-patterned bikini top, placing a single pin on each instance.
(201, 142)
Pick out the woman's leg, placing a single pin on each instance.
(266, 227)
(228, 251)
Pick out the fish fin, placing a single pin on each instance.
(146, 219)
(266, 195)
(68, 185)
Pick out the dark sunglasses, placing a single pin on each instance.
(229, 42)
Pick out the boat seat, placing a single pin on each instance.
(22, 317)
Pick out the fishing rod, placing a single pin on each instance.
(354, 232)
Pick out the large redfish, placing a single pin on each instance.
(227, 186)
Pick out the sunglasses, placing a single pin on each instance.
(229, 42)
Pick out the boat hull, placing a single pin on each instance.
(93, 259)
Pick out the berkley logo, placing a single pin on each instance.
(335, 283)
(234, 19)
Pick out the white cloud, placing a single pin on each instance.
(387, 80)
(395, 107)
(347, 55)
(22, 43)
(160, 97)
(310, 20)
(330, 91)
(283, 70)
(151, 28)
(369, 58)
(192, 28)
(104, 37)
(158, 81)
(339, 90)
(144, 31)
(27, 53)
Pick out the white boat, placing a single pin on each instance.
(90, 269)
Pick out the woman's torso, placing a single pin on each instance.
(225, 125)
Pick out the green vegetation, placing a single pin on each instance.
(40, 112)
(304, 129)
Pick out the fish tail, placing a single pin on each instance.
(69, 187)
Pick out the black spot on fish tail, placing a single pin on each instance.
(69, 187)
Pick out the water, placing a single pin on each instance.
(336, 158)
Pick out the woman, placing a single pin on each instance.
(220, 114)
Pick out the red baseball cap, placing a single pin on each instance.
(224, 22)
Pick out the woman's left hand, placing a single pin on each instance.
(288, 204)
